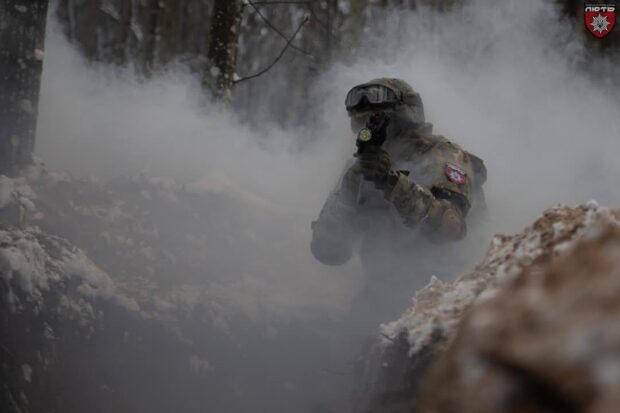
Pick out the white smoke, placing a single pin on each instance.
(502, 80)
(102, 122)
(509, 82)
(505, 80)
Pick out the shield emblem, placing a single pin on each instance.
(455, 174)
(600, 19)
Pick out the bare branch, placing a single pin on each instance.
(307, 3)
(272, 64)
(388, 338)
(321, 22)
(275, 29)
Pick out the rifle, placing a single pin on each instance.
(374, 133)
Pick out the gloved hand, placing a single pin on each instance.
(375, 165)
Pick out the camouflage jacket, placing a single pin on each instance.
(438, 185)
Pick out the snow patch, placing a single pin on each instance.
(439, 307)
(32, 263)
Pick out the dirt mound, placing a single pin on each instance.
(504, 290)
(149, 295)
(547, 342)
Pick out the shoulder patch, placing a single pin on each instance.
(455, 174)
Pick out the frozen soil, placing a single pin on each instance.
(451, 325)
(113, 297)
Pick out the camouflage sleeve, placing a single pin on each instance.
(439, 208)
(438, 215)
(333, 231)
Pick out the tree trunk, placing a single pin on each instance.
(223, 44)
(170, 31)
(354, 27)
(152, 15)
(120, 53)
(22, 34)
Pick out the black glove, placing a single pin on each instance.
(375, 132)
(375, 165)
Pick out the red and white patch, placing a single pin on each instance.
(454, 174)
(599, 19)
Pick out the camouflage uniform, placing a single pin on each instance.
(433, 185)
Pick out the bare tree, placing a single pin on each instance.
(151, 28)
(223, 45)
(22, 33)
(354, 26)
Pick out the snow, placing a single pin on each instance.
(22, 263)
(94, 282)
(39, 54)
(136, 29)
(109, 9)
(558, 229)
(32, 263)
(27, 204)
(441, 306)
(12, 189)
(6, 188)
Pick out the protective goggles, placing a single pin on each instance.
(371, 95)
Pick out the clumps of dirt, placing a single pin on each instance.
(462, 327)
(548, 342)
(442, 305)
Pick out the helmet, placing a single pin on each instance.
(387, 93)
(394, 96)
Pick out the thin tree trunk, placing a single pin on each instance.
(151, 34)
(170, 30)
(223, 45)
(354, 27)
(22, 34)
(120, 52)
(88, 21)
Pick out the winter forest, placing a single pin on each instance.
(239, 206)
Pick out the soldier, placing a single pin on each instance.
(401, 198)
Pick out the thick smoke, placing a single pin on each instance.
(508, 81)
(514, 84)
(102, 122)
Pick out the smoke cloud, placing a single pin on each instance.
(508, 81)
(515, 85)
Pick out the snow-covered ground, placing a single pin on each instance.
(165, 294)
(442, 305)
